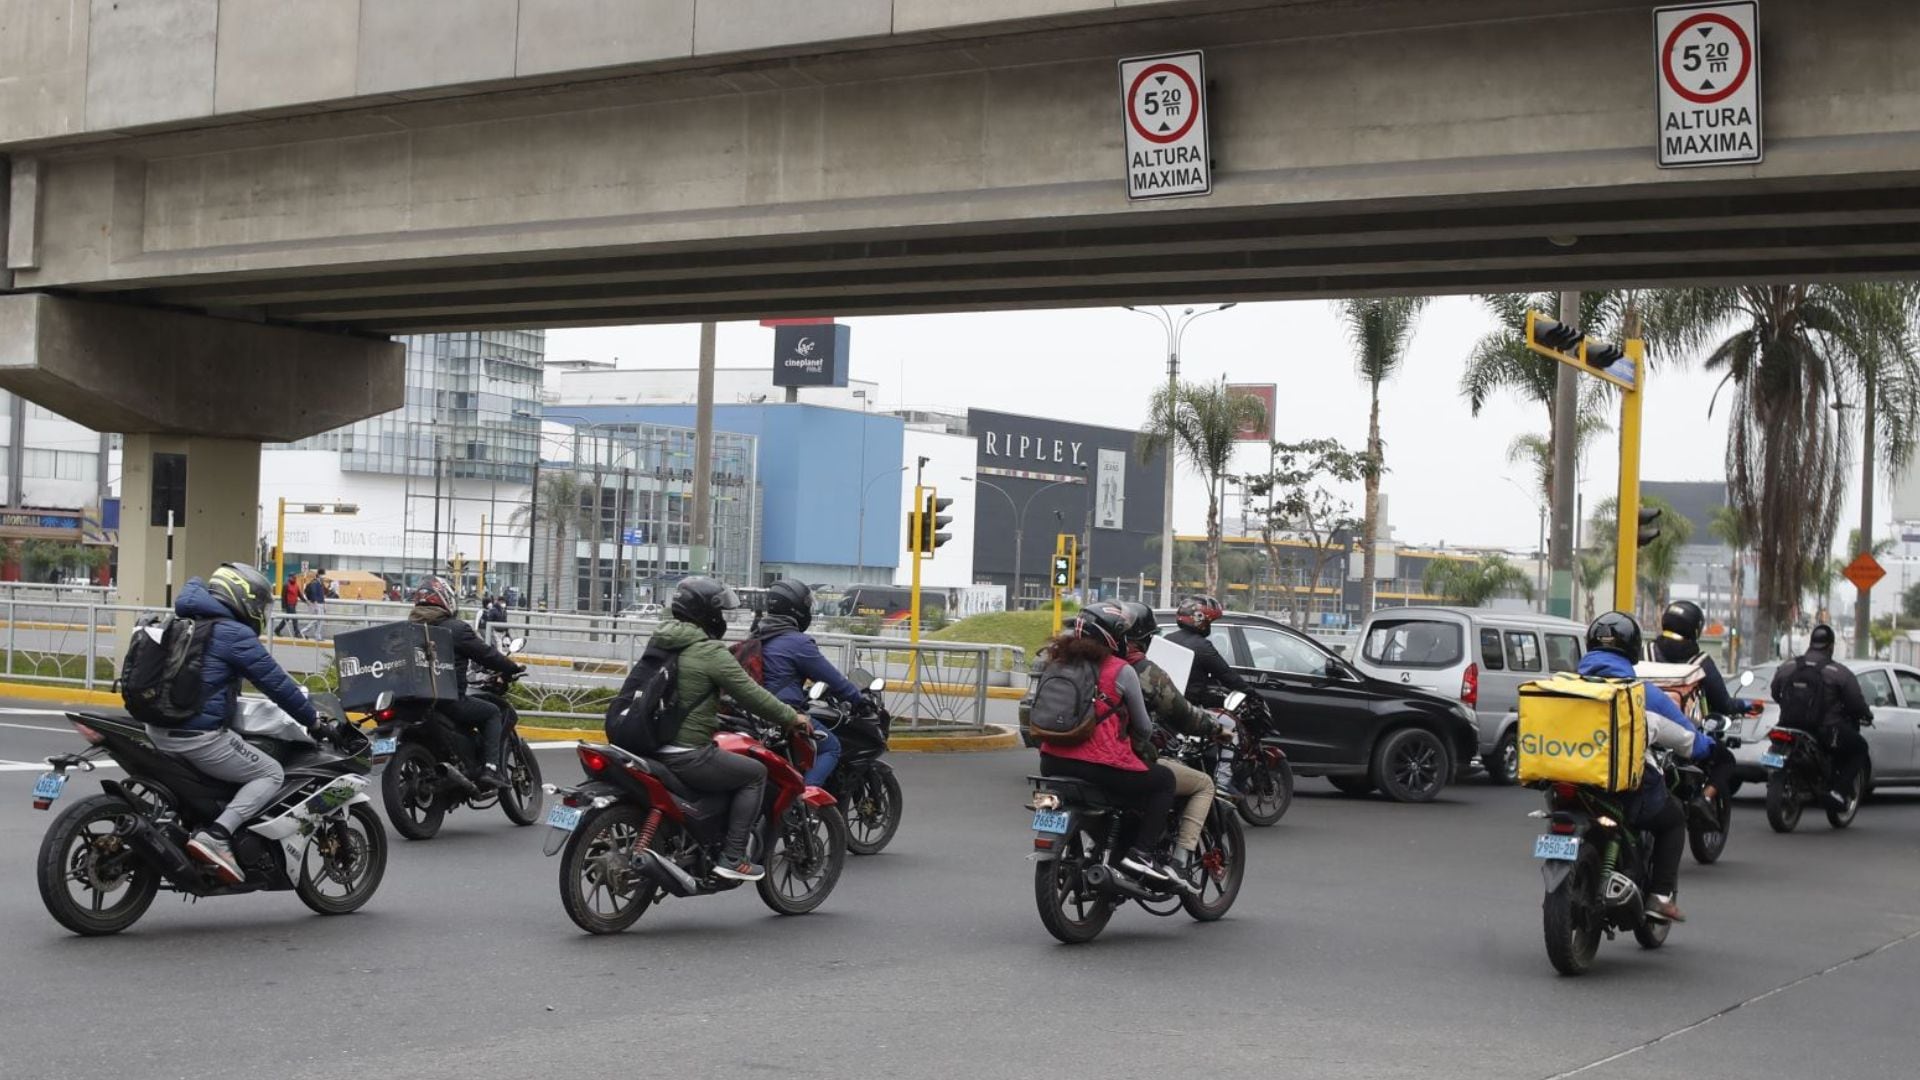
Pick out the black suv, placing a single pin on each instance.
(1359, 732)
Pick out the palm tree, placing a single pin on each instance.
(1730, 527)
(1202, 422)
(561, 513)
(1791, 353)
(1471, 583)
(1536, 451)
(1380, 330)
(1589, 573)
(1821, 574)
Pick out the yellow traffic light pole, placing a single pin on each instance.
(915, 526)
(1626, 570)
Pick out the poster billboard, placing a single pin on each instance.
(811, 355)
(1110, 491)
(1269, 394)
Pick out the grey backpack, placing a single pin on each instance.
(1067, 703)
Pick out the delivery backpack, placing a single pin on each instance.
(1804, 698)
(1067, 703)
(646, 715)
(1578, 729)
(160, 679)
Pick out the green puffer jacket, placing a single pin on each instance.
(706, 669)
(1169, 708)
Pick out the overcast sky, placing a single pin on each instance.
(1448, 470)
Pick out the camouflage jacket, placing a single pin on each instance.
(1168, 707)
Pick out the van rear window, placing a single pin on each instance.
(1413, 643)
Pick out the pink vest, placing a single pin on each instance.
(1108, 745)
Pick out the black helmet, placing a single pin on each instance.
(1683, 619)
(792, 599)
(703, 602)
(1140, 627)
(243, 591)
(1821, 640)
(1197, 613)
(1615, 632)
(1105, 622)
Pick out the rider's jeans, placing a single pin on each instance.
(1197, 788)
(225, 756)
(826, 754)
(712, 769)
(1849, 750)
(481, 718)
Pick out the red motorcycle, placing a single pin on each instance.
(632, 834)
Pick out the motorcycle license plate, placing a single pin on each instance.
(1050, 821)
(1563, 848)
(563, 817)
(1773, 761)
(385, 747)
(49, 786)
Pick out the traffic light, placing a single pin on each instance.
(1649, 525)
(1570, 345)
(914, 546)
(1062, 572)
(932, 521)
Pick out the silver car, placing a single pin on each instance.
(1893, 742)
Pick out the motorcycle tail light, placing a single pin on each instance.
(1043, 843)
(1781, 737)
(1470, 685)
(592, 760)
(1562, 827)
(383, 715)
(88, 733)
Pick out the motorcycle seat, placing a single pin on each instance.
(1078, 792)
(653, 767)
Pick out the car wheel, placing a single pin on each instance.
(1412, 765)
(1504, 763)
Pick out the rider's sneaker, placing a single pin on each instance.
(216, 852)
(1223, 787)
(739, 871)
(1139, 862)
(1663, 909)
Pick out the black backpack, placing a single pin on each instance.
(646, 715)
(160, 679)
(1067, 703)
(1806, 695)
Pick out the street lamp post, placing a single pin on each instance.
(1176, 328)
(860, 543)
(1019, 522)
(1540, 551)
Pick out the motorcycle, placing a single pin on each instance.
(1261, 771)
(632, 834)
(1596, 872)
(862, 784)
(1707, 823)
(1077, 842)
(424, 756)
(108, 855)
(1799, 771)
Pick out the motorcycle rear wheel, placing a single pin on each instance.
(1783, 802)
(1565, 915)
(1225, 843)
(521, 799)
(598, 888)
(410, 788)
(1071, 912)
(72, 854)
(872, 810)
(357, 861)
(1268, 794)
(809, 850)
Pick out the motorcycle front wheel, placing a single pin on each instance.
(1707, 841)
(1783, 802)
(1652, 933)
(520, 800)
(1223, 861)
(1268, 793)
(1070, 909)
(872, 809)
(343, 863)
(90, 880)
(598, 886)
(1567, 916)
(809, 850)
(1841, 819)
(410, 788)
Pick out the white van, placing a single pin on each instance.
(1477, 656)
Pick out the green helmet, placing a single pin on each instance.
(243, 591)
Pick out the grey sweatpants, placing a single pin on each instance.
(225, 756)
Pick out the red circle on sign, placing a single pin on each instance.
(1193, 95)
(1739, 78)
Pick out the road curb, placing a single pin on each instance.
(995, 738)
(59, 695)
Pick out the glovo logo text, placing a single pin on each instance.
(1538, 745)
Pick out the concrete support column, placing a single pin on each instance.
(220, 522)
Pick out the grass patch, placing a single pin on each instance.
(50, 666)
(1026, 629)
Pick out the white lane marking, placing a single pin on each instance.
(41, 766)
(553, 745)
(62, 730)
(35, 712)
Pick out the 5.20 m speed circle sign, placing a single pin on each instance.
(1707, 61)
(1163, 101)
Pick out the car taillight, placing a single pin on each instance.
(592, 760)
(1470, 685)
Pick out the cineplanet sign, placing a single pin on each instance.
(811, 355)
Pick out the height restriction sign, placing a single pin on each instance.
(1708, 77)
(1164, 101)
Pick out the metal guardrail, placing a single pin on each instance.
(573, 669)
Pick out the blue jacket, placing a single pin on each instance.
(234, 653)
(1614, 666)
(791, 658)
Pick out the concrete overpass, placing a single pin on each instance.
(360, 168)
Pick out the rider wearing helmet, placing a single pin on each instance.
(698, 619)
(790, 659)
(1613, 645)
(1679, 643)
(1211, 674)
(1171, 710)
(235, 598)
(1107, 758)
(434, 605)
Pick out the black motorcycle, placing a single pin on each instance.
(429, 763)
(1596, 871)
(1708, 823)
(863, 784)
(1078, 839)
(1261, 771)
(1800, 771)
(109, 854)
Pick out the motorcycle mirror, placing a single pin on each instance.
(1746, 678)
(816, 691)
(514, 645)
(383, 702)
(1235, 700)
(876, 686)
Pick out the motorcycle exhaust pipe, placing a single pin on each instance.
(1103, 879)
(666, 873)
(156, 850)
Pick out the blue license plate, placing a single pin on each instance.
(563, 817)
(1773, 761)
(1562, 848)
(385, 747)
(49, 786)
(1053, 821)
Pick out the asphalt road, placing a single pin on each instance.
(1371, 940)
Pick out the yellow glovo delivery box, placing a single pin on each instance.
(1583, 730)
